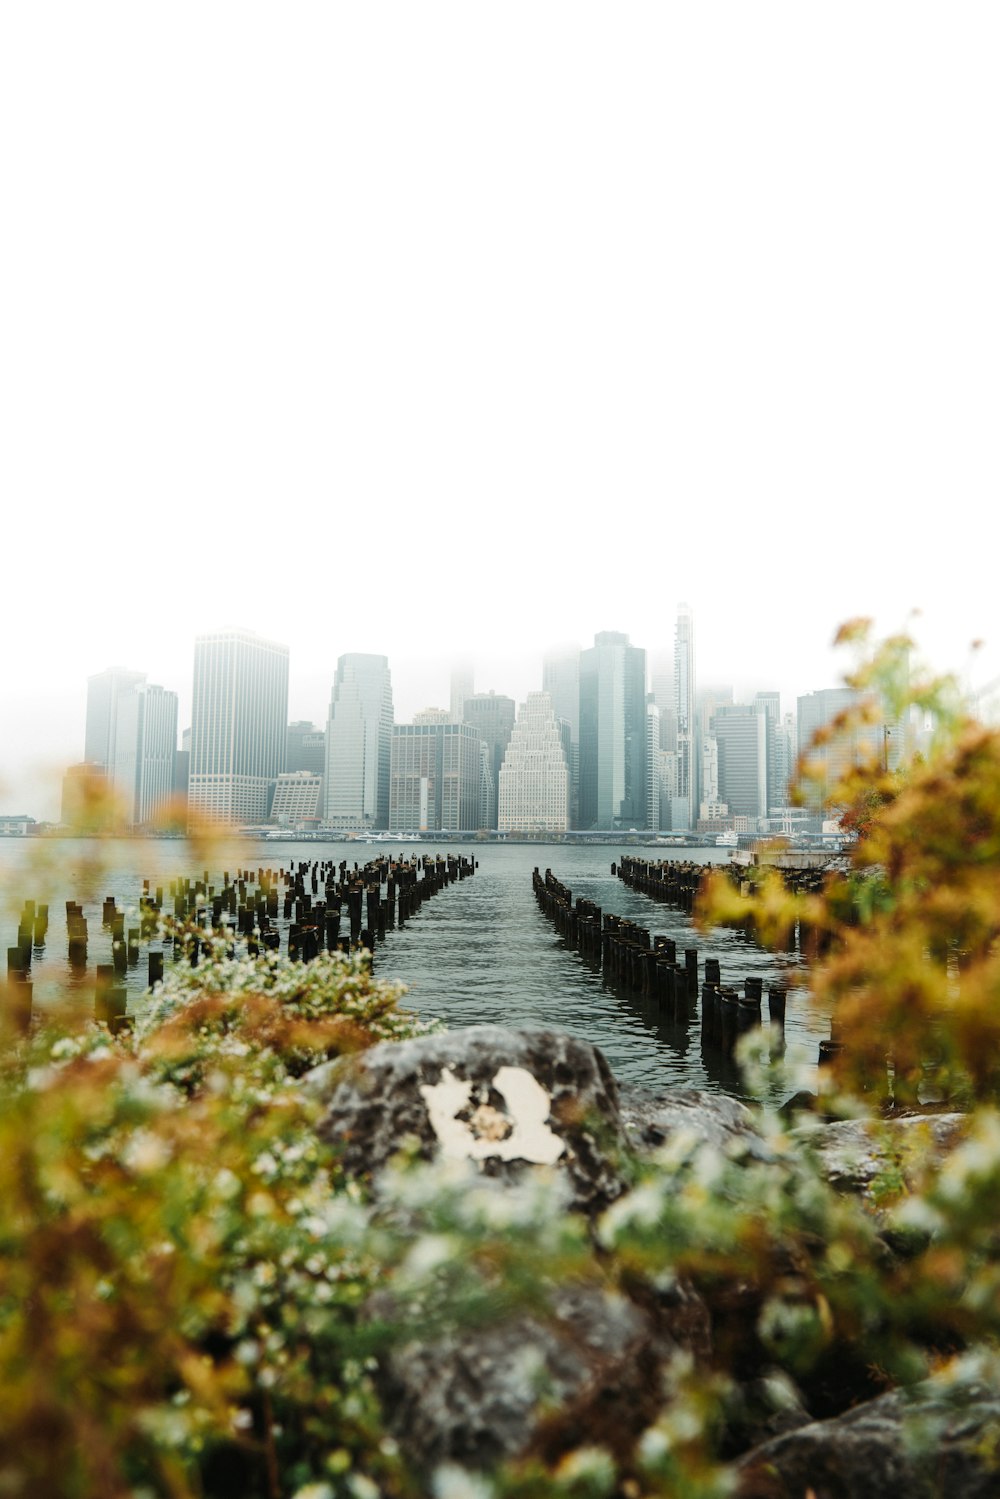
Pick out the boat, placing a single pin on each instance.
(727, 840)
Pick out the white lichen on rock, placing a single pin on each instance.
(521, 1135)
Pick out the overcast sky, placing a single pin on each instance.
(463, 329)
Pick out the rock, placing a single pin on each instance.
(586, 1374)
(505, 1099)
(942, 1440)
(651, 1118)
(854, 1153)
(757, 1409)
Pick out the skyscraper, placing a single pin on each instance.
(492, 716)
(561, 680)
(238, 722)
(145, 750)
(613, 730)
(686, 802)
(741, 734)
(880, 743)
(436, 778)
(103, 692)
(462, 687)
(359, 744)
(305, 748)
(534, 777)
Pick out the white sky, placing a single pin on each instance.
(455, 329)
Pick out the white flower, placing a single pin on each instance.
(453, 1482)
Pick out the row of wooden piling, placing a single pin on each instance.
(677, 883)
(323, 906)
(651, 967)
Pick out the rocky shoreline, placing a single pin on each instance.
(513, 1109)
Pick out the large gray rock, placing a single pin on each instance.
(942, 1440)
(504, 1099)
(525, 1384)
(651, 1118)
(856, 1153)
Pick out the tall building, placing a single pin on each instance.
(238, 722)
(435, 785)
(777, 757)
(534, 778)
(653, 778)
(462, 687)
(85, 798)
(613, 733)
(145, 755)
(881, 743)
(103, 691)
(686, 801)
(492, 716)
(359, 744)
(561, 680)
(296, 801)
(741, 735)
(305, 748)
(785, 741)
(487, 789)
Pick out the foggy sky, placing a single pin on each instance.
(446, 330)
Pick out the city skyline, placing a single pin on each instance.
(353, 353)
(410, 698)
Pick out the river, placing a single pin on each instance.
(480, 950)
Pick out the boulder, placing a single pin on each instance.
(855, 1153)
(505, 1099)
(651, 1118)
(587, 1372)
(943, 1438)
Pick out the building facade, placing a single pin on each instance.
(435, 783)
(561, 680)
(359, 744)
(145, 756)
(742, 739)
(297, 799)
(239, 717)
(305, 748)
(883, 742)
(534, 790)
(492, 716)
(103, 692)
(613, 734)
(686, 802)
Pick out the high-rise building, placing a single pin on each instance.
(487, 788)
(305, 748)
(880, 743)
(145, 755)
(86, 805)
(359, 744)
(103, 692)
(653, 752)
(741, 735)
(435, 785)
(296, 801)
(613, 731)
(777, 758)
(462, 687)
(785, 750)
(561, 680)
(686, 801)
(492, 716)
(238, 722)
(534, 777)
